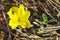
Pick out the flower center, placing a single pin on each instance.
(18, 19)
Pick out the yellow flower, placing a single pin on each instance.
(19, 17)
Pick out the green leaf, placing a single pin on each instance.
(52, 20)
(45, 20)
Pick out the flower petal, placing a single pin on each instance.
(21, 7)
(25, 24)
(12, 11)
(27, 15)
(28, 24)
(14, 22)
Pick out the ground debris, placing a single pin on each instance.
(37, 7)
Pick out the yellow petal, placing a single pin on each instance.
(14, 22)
(12, 11)
(24, 14)
(21, 7)
(25, 24)
(28, 24)
(27, 15)
(22, 24)
(21, 10)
